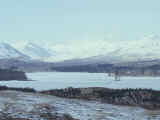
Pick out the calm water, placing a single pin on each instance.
(52, 80)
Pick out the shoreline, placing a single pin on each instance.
(144, 98)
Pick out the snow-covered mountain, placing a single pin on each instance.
(7, 52)
(36, 52)
(147, 48)
(87, 52)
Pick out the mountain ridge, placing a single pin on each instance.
(7, 51)
(146, 48)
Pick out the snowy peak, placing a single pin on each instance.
(7, 51)
(36, 52)
(146, 48)
(94, 51)
(152, 37)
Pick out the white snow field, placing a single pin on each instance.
(52, 80)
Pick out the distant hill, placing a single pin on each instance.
(8, 74)
(26, 66)
(137, 68)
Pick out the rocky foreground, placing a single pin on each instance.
(18, 105)
(90, 104)
(26, 106)
(146, 98)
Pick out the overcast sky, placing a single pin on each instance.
(59, 21)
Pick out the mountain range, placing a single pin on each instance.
(30, 51)
(7, 52)
(94, 52)
(36, 52)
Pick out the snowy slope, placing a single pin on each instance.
(36, 52)
(146, 48)
(7, 51)
(103, 51)
(92, 51)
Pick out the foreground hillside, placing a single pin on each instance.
(145, 98)
(35, 106)
(26, 106)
